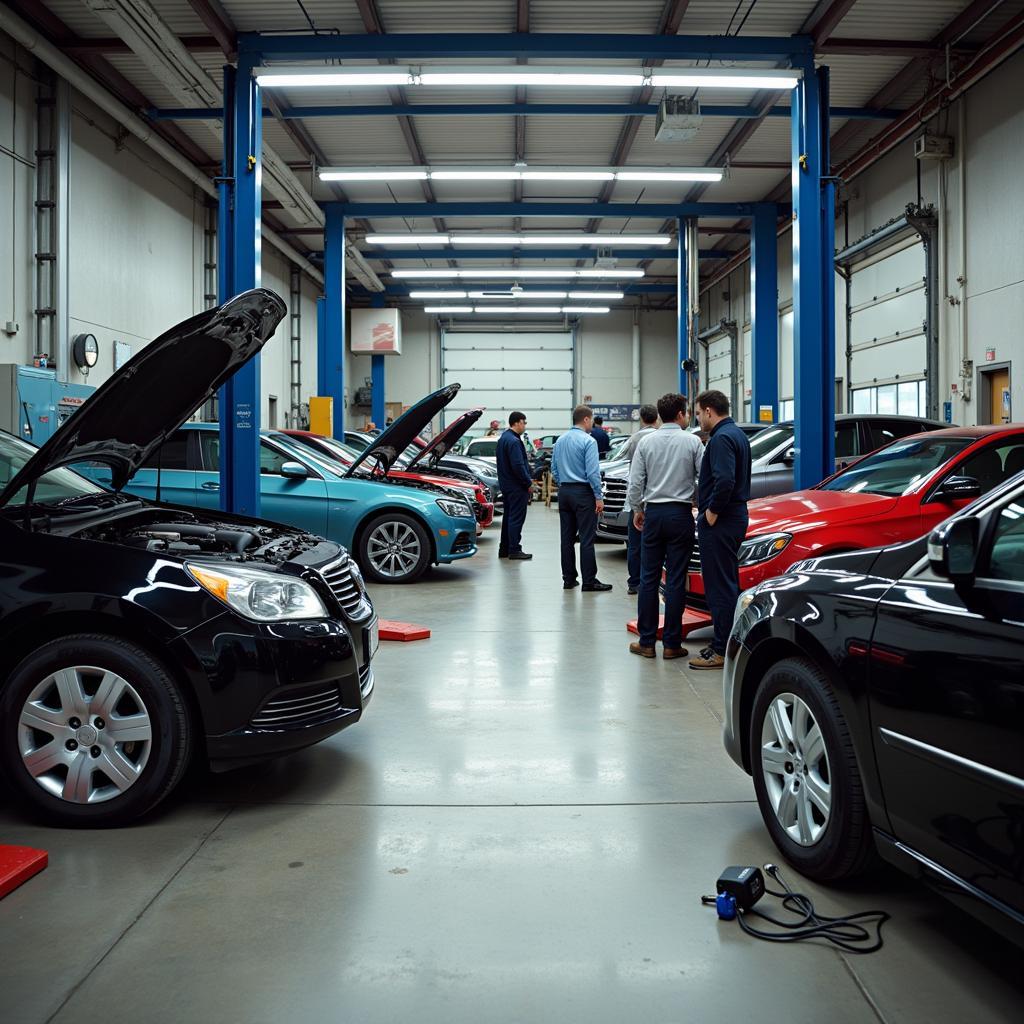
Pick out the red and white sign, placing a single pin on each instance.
(990, 355)
(376, 331)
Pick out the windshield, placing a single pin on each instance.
(57, 485)
(484, 448)
(900, 467)
(766, 441)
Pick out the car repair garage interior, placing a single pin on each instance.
(511, 511)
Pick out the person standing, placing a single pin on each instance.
(574, 466)
(648, 420)
(515, 482)
(600, 435)
(662, 485)
(722, 496)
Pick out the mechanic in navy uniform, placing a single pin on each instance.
(722, 495)
(600, 435)
(516, 482)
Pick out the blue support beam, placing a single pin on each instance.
(730, 110)
(321, 345)
(239, 242)
(682, 308)
(377, 377)
(333, 344)
(258, 48)
(764, 316)
(656, 211)
(467, 252)
(814, 349)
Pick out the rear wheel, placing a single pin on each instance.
(805, 773)
(394, 548)
(93, 731)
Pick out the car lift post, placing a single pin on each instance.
(332, 354)
(377, 414)
(764, 316)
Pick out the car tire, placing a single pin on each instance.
(809, 789)
(405, 565)
(131, 744)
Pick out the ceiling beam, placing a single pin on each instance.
(104, 44)
(519, 142)
(217, 22)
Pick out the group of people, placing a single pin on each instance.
(672, 472)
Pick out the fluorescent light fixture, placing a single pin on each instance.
(596, 295)
(426, 239)
(515, 273)
(521, 295)
(447, 309)
(688, 174)
(439, 295)
(540, 75)
(719, 78)
(585, 309)
(383, 175)
(378, 174)
(282, 77)
(507, 310)
(518, 309)
(580, 238)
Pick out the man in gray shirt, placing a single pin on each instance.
(662, 488)
(648, 419)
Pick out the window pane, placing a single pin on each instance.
(172, 454)
(210, 443)
(271, 461)
(907, 399)
(1006, 561)
(846, 440)
(863, 400)
(887, 399)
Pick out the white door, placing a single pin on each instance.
(502, 371)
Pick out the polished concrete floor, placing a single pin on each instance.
(519, 830)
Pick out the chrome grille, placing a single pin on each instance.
(614, 495)
(344, 587)
(298, 707)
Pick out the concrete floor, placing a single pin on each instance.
(519, 830)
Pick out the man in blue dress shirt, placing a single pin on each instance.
(515, 482)
(574, 466)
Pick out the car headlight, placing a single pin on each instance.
(761, 549)
(264, 596)
(457, 507)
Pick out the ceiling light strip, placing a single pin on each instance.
(508, 310)
(611, 241)
(517, 273)
(386, 174)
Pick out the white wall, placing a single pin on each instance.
(994, 152)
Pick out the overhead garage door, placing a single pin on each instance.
(721, 365)
(530, 371)
(888, 355)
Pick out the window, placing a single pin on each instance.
(846, 440)
(787, 408)
(272, 460)
(209, 443)
(57, 485)
(1006, 560)
(900, 467)
(883, 432)
(992, 465)
(172, 454)
(906, 398)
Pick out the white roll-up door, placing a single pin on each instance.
(720, 366)
(503, 371)
(888, 311)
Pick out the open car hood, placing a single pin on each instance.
(438, 447)
(157, 390)
(390, 443)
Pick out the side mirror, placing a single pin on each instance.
(958, 488)
(953, 549)
(790, 457)
(294, 471)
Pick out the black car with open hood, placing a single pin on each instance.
(136, 636)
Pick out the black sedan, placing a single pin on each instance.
(877, 699)
(136, 637)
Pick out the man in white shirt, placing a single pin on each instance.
(662, 488)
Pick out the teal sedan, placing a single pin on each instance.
(394, 532)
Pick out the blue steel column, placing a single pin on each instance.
(682, 306)
(813, 310)
(321, 348)
(377, 413)
(239, 406)
(764, 313)
(332, 360)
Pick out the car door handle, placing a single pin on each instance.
(211, 487)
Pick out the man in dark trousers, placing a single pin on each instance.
(648, 424)
(574, 466)
(515, 482)
(722, 495)
(600, 435)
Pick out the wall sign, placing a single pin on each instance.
(990, 355)
(617, 412)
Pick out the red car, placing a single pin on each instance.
(335, 450)
(896, 494)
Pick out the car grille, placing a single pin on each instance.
(298, 707)
(614, 495)
(365, 679)
(344, 587)
(463, 542)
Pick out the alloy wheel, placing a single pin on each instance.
(394, 549)
(796, 770)
(84, 734)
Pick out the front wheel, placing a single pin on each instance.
(394, 548)
(805, 772)
(93, 731)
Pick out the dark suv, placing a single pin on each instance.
(877, 698)
(136, 637)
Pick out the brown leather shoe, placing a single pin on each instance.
(674, 652)
(707, 659)
(644, 652)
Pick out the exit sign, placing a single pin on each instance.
(990, 355)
